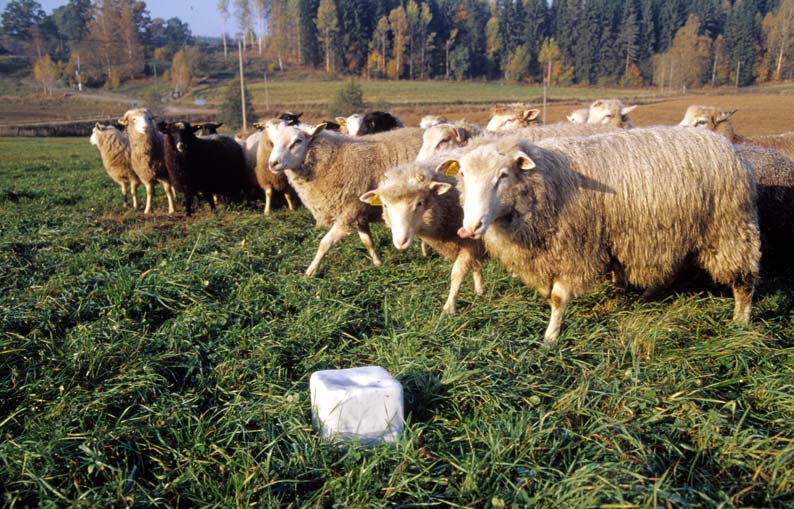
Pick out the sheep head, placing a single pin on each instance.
(290, 145)
(181, 134)
(578, 116)
(139, 120)
(405, 195)
(516, 117)
(610, 112)
(441, 137)
(486, 174)
(708, 117)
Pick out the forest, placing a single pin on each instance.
(671, 44)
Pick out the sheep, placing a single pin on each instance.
(447, 136)
(561, 212)
(350, 124)
(146, 154)
(513, 116)
(330, 171)
(431, 120)
(378, 122)
(419, 202)
(578, 116)
(208, 128)
(265, 178)
(718, 120)
(114, 149)
(203, 166)
(288, 117)
(612, 112)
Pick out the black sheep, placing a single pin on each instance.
(203, 166)
(208, 128)
(294, 119)
(378, 122)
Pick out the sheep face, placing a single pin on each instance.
(405, 197)
(486, 174)
(441, 137)
(708, 117)
(139, 120)
(609, 111)
(579, 116)
(95, 133)
(509, 120)
(290, 145)
(182, 134)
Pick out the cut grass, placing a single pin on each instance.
(157, 361)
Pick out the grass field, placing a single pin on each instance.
(162, 362)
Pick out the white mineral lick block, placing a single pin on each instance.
(364, 403)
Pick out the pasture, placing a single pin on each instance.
(163, 361)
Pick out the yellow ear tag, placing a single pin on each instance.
(375, 201)
(342, 122)
(452, 169)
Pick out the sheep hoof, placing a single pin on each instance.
(450, 310)
(376, 262)
(311, 271)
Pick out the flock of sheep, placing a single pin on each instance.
(560, 205)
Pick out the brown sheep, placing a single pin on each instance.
(114, 149)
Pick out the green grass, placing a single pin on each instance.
(158, 361)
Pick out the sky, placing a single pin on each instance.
(201, 15)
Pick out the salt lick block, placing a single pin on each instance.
(359, 403)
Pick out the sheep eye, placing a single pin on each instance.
(502, 175)
(295, 144)
(420, 203)
(700, 122)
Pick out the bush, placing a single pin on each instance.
(231, 112)
(349, 99)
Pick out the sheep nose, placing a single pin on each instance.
(402, 243)
(274, 166)
(180, 146)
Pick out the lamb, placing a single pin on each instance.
(431, 120)
(419, 202)
(579, 116)
(562, 212)
(610, 112)
(114, 149)
(718, 120)
(265, 178)
(209, 128)
(330, 171)
(448, 137)
(203, 166)
(146, 154)
(513, 116)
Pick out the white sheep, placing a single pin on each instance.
(431, 120)
(146, 145)
(330, 171)
(114, 149)
(513, 116)
(562, 212)
(419, 202)
(579, 116)
(610, 112)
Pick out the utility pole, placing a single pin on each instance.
(267, 94)
(242, 83)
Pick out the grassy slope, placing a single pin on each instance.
(163, 362)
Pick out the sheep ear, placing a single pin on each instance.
(460, 134)
(372, 198)
(570, 118)
(450, 168)
(440, 187)
(298, 115)
(317, 129)
(194, 128)
(162, 127)
(218, 125)
(124, 120)
(725, 115)
(523, 161)
(531, 114)
(627, 109)
(198, 126)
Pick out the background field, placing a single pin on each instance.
(164, 362)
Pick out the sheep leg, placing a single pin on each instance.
(424, 248)
(268, 197)
(743, 301)
(334, 235)
(149, 192)
(288, 197)
(479, 284)
(459, 271)
(134, 193)
(559, 301)
(366, 239)
(124, 193)
(169, 194)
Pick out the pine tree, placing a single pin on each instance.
(629, 33)
(741, 39)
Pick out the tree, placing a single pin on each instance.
(741, 40)
(398, 23)
(779, 34)
(180, 72)
(380, 42)
(549, 56)
(517, 68)
(71, 21)
(244, 21)
(684, 64)
(231, 111)
(132, 62)
(20, 17)
(349, 98)
(327, 28)
(628, 35)
(223, 10)
(46, 72)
